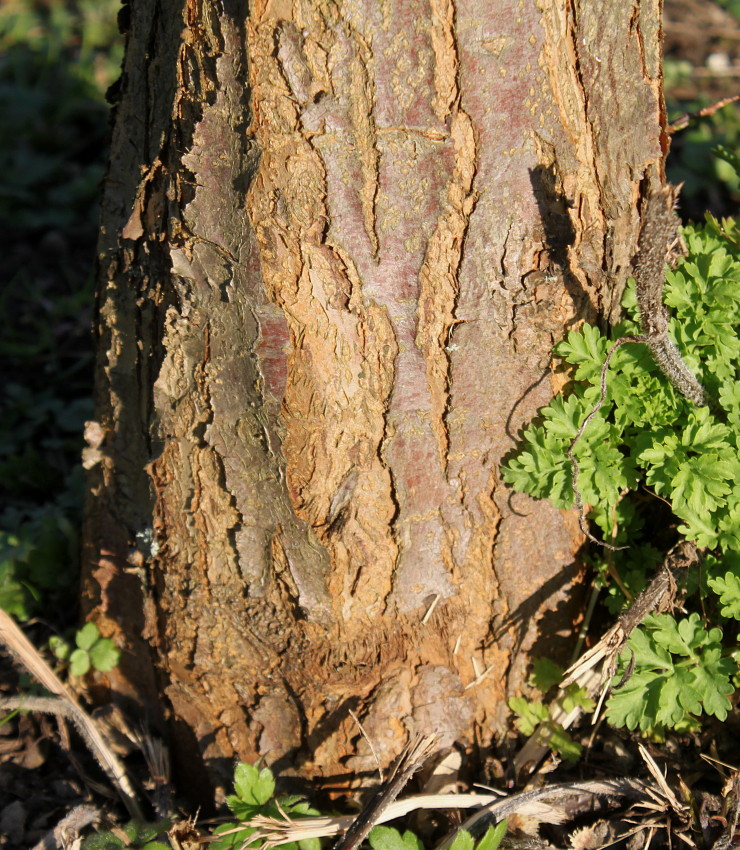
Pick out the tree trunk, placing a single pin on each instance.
(339, 240)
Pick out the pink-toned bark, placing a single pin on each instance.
(340, 271)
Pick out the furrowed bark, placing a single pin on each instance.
(339, 242)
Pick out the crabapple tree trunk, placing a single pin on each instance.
(339, 239)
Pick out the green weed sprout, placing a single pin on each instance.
(92, 651)
(254, 790)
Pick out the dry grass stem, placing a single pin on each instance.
(67, 706)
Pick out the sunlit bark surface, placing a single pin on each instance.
(339, 240)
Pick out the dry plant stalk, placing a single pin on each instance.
(276, 831)
(658, 596)
(65, 705)
(66, 832)
(541, 803)
(416, 752)
(608, 789)
(684, 120)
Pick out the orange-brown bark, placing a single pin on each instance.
(333, 268)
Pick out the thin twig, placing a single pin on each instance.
(480, 677)
(497, 811)
(369, 742)
(594, 670)
(274, 831)
(69, 827)
(411, 759)
(29, 657)
(683, 122)
(660, 780)
(659, 595)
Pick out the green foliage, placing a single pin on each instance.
(646, 432)
(727, 587)
(533, 716)
(38, 549)
(679, 670)
(707, 179)
(646, 435)
(132, 835)
(490, 841)
(46, 347)
(636, 564)
(388, 838)
(92, 650)
(493, 837)
(254, 790)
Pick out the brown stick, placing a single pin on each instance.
(22, 649)
(411, 759)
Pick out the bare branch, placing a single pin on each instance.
(411, 759)
(30, 658)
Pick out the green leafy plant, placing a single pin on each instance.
(647, 440)
(534, 717)
(133, 835)
(92, 651)
(37, 554)
(40, 443)
(727, 588)
(254, 790)
(389, 838)
(58, 59)
(677, 671)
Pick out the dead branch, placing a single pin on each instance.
(67, 705)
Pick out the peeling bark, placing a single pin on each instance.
(339, 240)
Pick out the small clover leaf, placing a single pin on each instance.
(545, 674)
(79, 662)
(87, 636)
(577, 697)
(104, 655)
(561, 742)
(530, 714)
(463, 841)
(60, 647)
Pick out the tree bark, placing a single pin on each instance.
(338, 243)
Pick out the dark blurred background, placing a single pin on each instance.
(57, 59)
